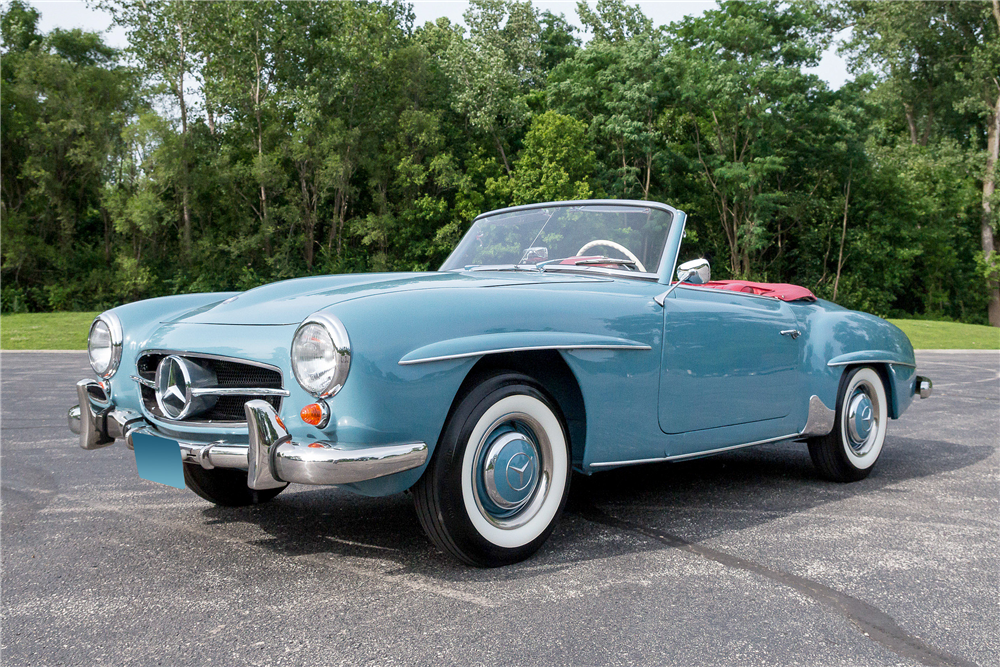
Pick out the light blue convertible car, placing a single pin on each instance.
(553, 339)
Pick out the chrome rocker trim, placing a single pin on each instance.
(692, 455)
(272, 459)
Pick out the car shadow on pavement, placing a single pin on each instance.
(694, 500)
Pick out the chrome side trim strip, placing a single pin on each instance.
(821, 419)
(693, 455)
(871, 361)
(526, 348)
(238, 391)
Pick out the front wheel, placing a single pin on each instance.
(849, 452)
(500, 476)
(225, 487)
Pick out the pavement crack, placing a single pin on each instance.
(871, 621)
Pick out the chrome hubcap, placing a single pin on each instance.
(512, 470)
(862, 419)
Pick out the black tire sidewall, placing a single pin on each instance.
(225, 487)
(447, 469)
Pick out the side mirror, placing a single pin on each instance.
(696, 272)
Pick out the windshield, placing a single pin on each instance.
(624, 237)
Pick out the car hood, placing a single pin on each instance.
(291, 301)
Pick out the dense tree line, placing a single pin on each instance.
(237, 143)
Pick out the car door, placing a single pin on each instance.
(726, 363)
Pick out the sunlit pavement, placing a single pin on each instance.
(746, 558)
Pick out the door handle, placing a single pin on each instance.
(794, 333)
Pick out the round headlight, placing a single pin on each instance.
(104, 344)
(321, 355)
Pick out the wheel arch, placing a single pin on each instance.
(550, 370)
(892, 382)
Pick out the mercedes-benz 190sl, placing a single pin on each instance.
(554, 338)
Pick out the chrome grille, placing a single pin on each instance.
(230, 373)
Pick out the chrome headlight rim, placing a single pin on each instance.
(114, 325)
(342, 346)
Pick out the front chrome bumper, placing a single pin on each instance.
(923, 387)
(271, 459)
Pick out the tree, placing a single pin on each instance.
(613, 20)
(555, 163)
(65, 101)
(493, 69)
(940, 63)
(740, 83)
(162, 41)
(619, 89)
(557, 40)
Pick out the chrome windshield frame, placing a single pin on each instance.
(668, 258)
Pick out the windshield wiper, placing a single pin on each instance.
(498, 267)
(591, 261)
(603, 260)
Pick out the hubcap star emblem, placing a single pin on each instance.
(519, 464)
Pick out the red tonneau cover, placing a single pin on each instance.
(782, 291)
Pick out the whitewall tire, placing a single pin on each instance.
(499, 477)
(850, 451)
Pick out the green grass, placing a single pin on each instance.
(45, 331)
(68, 331)
(928, 335)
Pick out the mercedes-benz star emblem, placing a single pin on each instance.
(176, 377)
(866, 414)
(172, 387)
(519, 468)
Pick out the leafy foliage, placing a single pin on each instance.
(233, 144)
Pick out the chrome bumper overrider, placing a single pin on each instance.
(272, 459)
(924, 387)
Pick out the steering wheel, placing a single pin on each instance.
(617, 246)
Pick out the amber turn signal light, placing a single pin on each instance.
(315, 414)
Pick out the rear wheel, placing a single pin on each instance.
(500, 475)
(848, 453)
(225, 487)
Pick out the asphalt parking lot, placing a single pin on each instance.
(742, 559)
